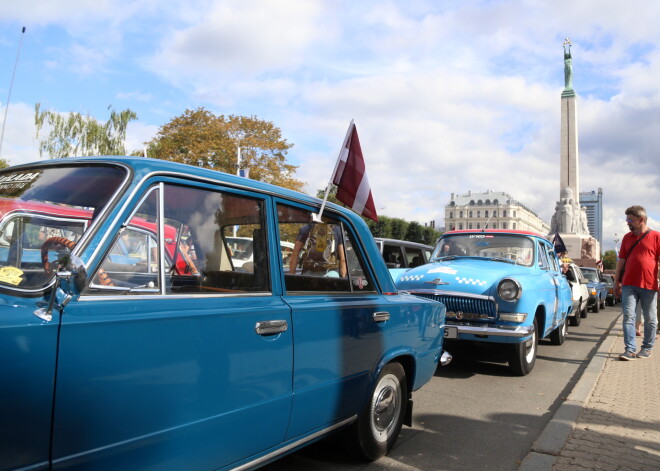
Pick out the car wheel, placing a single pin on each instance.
(584, 311)
(523, 355)
(380, 421)
(610, 302)
(602, 304)
(575, 320)
(596, 306)
(558, 335)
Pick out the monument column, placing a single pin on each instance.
(569, 162)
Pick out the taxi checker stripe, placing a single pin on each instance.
(470, 281)
(411, 277)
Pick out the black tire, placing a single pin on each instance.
(602, 303)
(596, 306)
(381, 419)
(610, 302)
(558, 336)
(523, 355)
(584, 312)
(575, 320)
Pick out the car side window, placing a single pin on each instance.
(554, 261)
(323, 255)
(414, 256)
(393, 256)
(543, 257)
(191, 248)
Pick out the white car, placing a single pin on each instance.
(580, 293)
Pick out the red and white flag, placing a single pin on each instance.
(351, 177)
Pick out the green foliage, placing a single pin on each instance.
(609, 260)
(4, 163)
(414, 232)
(399, 229)
(200, 138)
(74, 135)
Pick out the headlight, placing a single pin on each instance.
(509, 290)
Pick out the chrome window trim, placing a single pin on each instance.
(126, 296)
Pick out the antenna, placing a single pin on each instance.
(486, 225)
(11, 85)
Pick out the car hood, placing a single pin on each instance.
(468, 275)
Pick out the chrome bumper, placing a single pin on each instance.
(512, 331)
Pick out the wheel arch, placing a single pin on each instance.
(541, 320)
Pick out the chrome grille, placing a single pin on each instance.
(465, 308)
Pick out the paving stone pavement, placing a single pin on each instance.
(619, 429)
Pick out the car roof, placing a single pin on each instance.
(494, 231)
(405, 243)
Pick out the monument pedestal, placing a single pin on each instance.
(583, 249)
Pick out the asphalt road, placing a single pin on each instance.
(474, 414)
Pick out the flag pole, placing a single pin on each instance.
(317, 217)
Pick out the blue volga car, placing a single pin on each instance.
(597, 287)
(130, 340)
(499, 286)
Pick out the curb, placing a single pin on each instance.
(548, 446)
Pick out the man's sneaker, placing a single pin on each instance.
(644, 353)
(628, 356)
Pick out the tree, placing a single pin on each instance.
(399, 229)
(73, 135)
(4, 163)
(200, 138)
(609, 260)
(415, 232)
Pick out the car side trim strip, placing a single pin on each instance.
(270, 456)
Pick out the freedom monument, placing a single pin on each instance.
(570, 219)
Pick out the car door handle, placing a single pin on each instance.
(381, 316)
(271, 327)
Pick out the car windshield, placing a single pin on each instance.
(590, 275)
(44, 204)
(499, 247)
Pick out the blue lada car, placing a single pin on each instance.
(130, 340)
(499, 286)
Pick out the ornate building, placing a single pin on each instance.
(491, 210)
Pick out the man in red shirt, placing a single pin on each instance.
(638, 283)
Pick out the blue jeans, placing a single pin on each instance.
(647, 298)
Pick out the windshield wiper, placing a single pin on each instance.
(444, 257)
(502, 259)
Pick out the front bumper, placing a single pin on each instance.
(517, 331)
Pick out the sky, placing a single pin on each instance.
(447, 96)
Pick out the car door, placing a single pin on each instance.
(339, 320)
(163, 368)
(28, 348)
(563, 292)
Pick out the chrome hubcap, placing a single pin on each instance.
(385, 407)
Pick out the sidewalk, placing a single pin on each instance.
(611, 419)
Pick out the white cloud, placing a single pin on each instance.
(19, 145)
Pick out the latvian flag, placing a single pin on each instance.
(351, 177)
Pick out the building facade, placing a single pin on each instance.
(491, 210)
(592, 201)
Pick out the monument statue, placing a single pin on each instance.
(568, 65)
(570, 219)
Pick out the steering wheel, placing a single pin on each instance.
(53, 242)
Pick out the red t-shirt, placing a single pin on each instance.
(642, 265)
